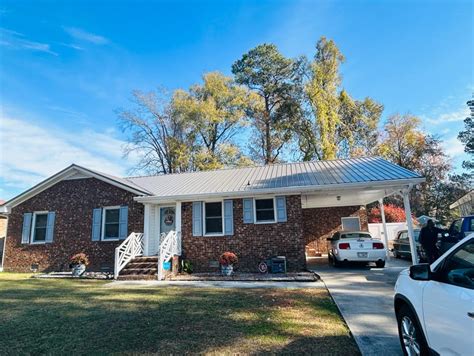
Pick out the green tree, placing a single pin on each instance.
(322, 92)
(216, 111)
(335, 125)
(443, 193)
(275, 106)
(467, 138)
(162, 141)
(357, 133)
(402, 141)
(406, 144)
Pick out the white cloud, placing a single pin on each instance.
(450, 116)
(31, 152)
(82, 35)
(16, 40)
(71, 45)
(453, 147)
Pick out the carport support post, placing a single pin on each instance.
(411, 234)
(384, 224)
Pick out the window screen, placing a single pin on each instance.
(264, 210)
(213, 216)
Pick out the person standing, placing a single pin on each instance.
(428, 240)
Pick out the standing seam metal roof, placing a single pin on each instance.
(287, 175)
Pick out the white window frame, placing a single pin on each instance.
(33, 228)
(102, 234)
(255, 211)
(204, 218)
(350, 217)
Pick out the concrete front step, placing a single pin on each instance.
(139, 271)
(137, 277)
(146, 259)
(144, 267)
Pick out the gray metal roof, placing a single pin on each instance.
(276, 177)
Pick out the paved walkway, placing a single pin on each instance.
(364, 296)
(215, 284)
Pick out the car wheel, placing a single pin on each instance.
(335, 262)
(396, 255)
(411, 336)
(380, 264)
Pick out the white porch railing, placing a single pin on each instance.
(130, 248)
(170, 245)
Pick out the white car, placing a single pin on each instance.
(434, 304)
(355, 246)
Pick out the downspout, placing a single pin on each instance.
(4, 243)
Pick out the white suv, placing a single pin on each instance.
(434, 304)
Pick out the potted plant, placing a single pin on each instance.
(227, 261)
(79, 262)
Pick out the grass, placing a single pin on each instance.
(82, 317)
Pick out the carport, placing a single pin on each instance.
(366, 192)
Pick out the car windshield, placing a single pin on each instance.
(355, 235)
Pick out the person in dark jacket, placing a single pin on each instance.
(428, 239)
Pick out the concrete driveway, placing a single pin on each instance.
(364, 296)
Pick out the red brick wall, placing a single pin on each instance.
(73, 201)
(251, 242)
(321, 223)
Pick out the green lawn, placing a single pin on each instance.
(83, 317)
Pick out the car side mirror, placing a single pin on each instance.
(329, 239)
(421, 272)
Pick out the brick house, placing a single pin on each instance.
(257, 212)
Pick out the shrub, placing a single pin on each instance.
(80, 258)
(187, 266)
(228, 258)
(393, 213)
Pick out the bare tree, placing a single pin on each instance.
(160, 138)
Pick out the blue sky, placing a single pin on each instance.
(66, 66)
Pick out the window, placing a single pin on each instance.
(110, 223)
(355, 235)
(458, 269)
(350, 223)
(213, 218)
(404, 235)
(264, 210)
(456, 227)
(38, 232)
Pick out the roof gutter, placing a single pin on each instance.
(286, 191)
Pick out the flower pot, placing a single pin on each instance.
(227, 270)
(78, 270)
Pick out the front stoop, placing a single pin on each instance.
(140, 268)
(145, 268)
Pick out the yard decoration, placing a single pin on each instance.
(227, 261)
(79, 262)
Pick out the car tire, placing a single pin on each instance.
(409, 329)
(380, 264)
(396, 255)
(335, 262)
